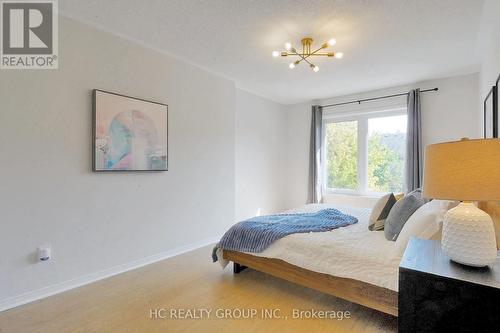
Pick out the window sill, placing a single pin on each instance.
(352, 199)
(373, 195)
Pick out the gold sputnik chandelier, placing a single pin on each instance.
(306, 52)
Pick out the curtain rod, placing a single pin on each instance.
(359, 101)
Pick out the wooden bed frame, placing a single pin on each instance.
(369, 295)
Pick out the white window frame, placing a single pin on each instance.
(362, 119)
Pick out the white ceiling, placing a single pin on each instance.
(385, 42)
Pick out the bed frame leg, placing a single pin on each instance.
(237, 268)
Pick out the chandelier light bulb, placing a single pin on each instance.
(292, 65)
(315, 68)
(332, 42)
(288, 46)
(339, 55)
(276, 54)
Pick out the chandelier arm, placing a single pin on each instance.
(298, 61)
(316, 55)
(308, 55)
(303, 58)
(321, 48)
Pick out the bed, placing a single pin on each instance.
(352, 262)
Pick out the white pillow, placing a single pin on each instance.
(424, 223)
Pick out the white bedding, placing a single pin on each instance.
(351, 252)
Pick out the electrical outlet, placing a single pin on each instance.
(44, 252)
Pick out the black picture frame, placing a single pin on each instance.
(94, 131)
(496, 106)
(490, 114)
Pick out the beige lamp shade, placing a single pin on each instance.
(466, 170)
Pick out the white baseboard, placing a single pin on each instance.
(12, 302)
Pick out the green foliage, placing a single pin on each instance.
(385, 165)
(385, 158)
(342, 155)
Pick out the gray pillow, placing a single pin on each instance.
(399, 214)
(418, 194)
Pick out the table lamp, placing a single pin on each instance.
(466, 170)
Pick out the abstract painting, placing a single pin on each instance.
(130, 134)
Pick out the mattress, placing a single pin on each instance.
(351, 252)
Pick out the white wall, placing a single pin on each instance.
(297, 149)
(96, 221)
(260, 158)
(489, 47)
(449, 114)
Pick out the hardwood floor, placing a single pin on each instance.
(122, 303)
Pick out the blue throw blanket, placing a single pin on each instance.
(257, 233)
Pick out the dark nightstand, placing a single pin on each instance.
(439, 295)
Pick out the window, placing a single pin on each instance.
(365, 154)
(342, 155)
(386, 153)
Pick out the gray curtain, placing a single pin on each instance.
(314, 192)
(414, 168)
